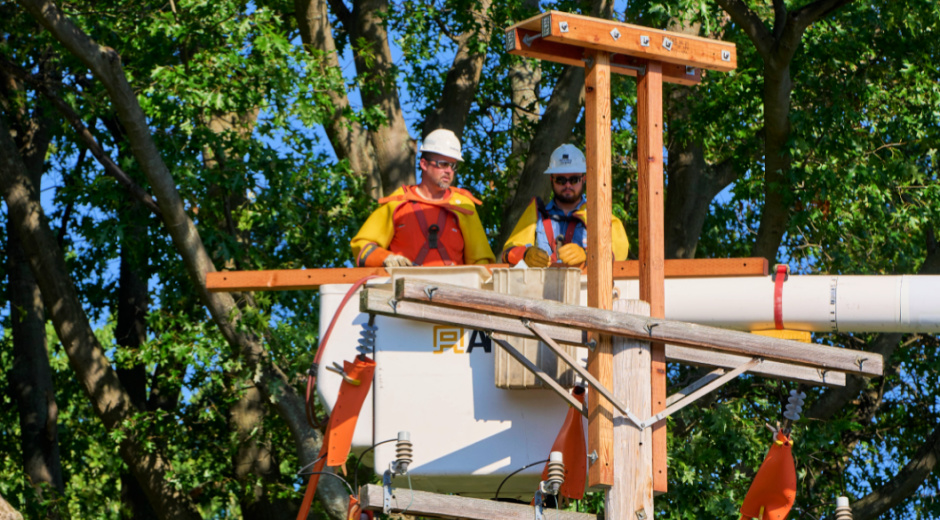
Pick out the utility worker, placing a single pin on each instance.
(430, 224)
(556, 232)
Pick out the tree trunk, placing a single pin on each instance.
(31, 377)
(86, 356)
(463, 77)
(393, 146)
(130, 333)
(350, 139)
(105, 65)
(778, 188)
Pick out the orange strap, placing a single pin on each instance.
(352, 393)
(337, 441)
(781, 274)
(570, 442)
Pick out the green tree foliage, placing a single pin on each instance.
(279, 124)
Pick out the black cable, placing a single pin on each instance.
(513, 473)
(351, 493)
(363, 454)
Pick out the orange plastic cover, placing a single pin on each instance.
(570, 442)
(774, 488)
(349, 401)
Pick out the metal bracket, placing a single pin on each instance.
(538, 504)
(592, 458)
(387, 492)
(725, 55)
(510, 43)
(429, 290)
(667, 44)
(527, 40)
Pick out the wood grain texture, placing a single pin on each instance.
(559, 52)
(303, 279)
(433, 505)
(595, 33)
(650, 329)
(652, 241)
(376, 300)
(599, 255)
(633, 455)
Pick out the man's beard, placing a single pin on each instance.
(442, 184)
(568, 199)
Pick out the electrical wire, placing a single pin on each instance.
(496, 497)
(351, 492)
(363, 454)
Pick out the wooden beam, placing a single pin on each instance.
(433, 505)
(599, 255)
(633, 40)
(377, 301)
(632, 491)
(526, 43)
(650, 329)
(652, 243)
(767, 368)
(302, 279)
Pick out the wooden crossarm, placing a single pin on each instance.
(647, 329)
(528, 43)
(375, 300)
(632, 40)
(433, 505)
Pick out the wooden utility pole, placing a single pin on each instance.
(653, 56)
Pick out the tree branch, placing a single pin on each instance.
(105, 65)
(84, 135)
(906, 482)
(752, 25)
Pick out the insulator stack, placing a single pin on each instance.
(843, 509)
(367, 339)
(556, 473)
(794, 405)
(404, 453)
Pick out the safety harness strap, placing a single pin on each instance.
(570, 223)
(431, 235)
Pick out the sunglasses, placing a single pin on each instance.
(574, 179)
(443, 164)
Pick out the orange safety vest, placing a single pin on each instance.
(436, 244)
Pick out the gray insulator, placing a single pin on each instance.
(404, 453)
(556, 473)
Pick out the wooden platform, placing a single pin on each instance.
(300, 279)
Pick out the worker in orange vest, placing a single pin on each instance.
(430, 224)
(556, 232)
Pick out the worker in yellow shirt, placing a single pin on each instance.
(430, 224)
(556, 232)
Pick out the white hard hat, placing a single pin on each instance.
(566, 159)
(443, 142)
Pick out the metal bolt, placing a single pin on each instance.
(563, 26)
(689, 71)
(645, 41)
(667, 44)
(725, 55)
(615, 34)
(640, 514)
